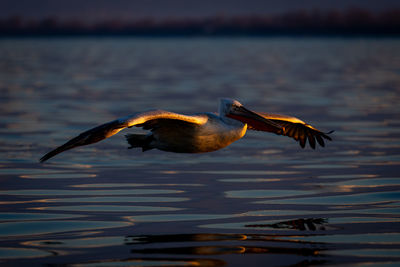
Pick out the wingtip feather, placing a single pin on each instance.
(302, 140)
(320, 140)
(54, 152)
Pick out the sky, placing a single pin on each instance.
(93, 10)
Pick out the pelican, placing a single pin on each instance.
(198, 133)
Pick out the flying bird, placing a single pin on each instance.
(201, 132)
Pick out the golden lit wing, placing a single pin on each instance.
(147, 120)
(296, 129)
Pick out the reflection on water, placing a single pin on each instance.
(155, 262)
(310, 224)
(214, 245)
(261, 201)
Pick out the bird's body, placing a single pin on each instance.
(203, 132)
(209, 133)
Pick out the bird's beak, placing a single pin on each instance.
(257, 121)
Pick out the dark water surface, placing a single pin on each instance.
(263, 201)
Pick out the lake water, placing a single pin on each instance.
(263, 201)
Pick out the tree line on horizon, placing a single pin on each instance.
(350, 22)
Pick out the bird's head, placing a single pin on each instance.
(230, 108)
(227, 106)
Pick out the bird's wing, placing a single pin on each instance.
(147, 120)
(295, 128)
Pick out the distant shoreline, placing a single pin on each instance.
(315, 23)
(219, 36)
